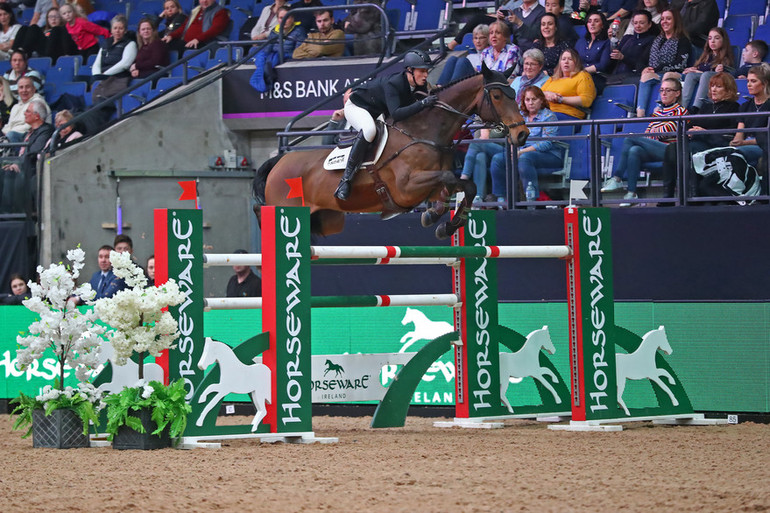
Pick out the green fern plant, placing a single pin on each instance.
(168, 405)
(84, 402)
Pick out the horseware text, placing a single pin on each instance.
(483, 376)
(186, 323)
(598, 336)
(293, 323)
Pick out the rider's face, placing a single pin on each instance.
(418, 76)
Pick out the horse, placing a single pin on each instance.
(424, 328)
(641, 365)
(333, 367)
(235, 377)
(526, 362)
(416, 163)
(126, 375)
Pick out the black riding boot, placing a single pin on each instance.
(357, 153)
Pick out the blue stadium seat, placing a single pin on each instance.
(605, 106)
(743, 90)
(195, 66)
(739, 29)
(60, 75)
(73, 62)
(164, 84)
(220, 57)
(149, 7)
(237, 19)
(743, 7)
(41, 64)
(467, 43)
(4, 66)
(244, 6)
(73, 88)
(763, 33)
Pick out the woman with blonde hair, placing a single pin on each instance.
(571, 89)
(152, 53)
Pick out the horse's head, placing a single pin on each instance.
(407, 316)
(498, 105)
(206, 356)
(543, 338)
(661, 340)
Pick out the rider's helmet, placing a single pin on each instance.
(417, 59)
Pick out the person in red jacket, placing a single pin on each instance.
(207, 22)
(82, 31)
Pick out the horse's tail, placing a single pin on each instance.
(260, 179)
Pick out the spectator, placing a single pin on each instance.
(83, 7)
(570, 90)
(67, 134)
(564, 24)
(318, 44)
(617, 9)
(244, 283)
(175, 21)
(17, 127)
(456, 68)
(207, 22)
(8, 29)
(104, 281)
(268, 57)
(595, 49)
(151, 54)
(524, 21)
(532, 73)
(124, 244)
(478, 158)
(670, 51)
(41, 10)
(114, 60)
(149, 270)
(535, 158)
(20, 69)
(56, 39)
(501, 55)
(550, 43)
(19, 291)
(82, 31)
(698, 18)
(717, 56)
(337, 121)
(633, 52)
(753, 53)
(639, 150)
(268, 19)
(654, 7)
(306, 19)
(723, 94)
(754, 145)
(17, 176)
(364, 24)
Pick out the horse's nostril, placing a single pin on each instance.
(522, 138)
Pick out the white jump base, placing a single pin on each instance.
(210, 441)
(685, 419)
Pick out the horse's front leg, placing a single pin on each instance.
(437, 210)
(447, 229)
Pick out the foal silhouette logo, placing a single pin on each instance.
(641, 364)
(235, 377)
(335, 368)
(122, 375)
(424, 328)
(526, 363)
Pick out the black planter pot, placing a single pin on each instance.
(62, 429)
(127, 438)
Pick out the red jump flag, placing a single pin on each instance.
(295, 189)
(189, 190)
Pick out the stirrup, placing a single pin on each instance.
(343, 190)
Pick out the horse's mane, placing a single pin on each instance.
(453, 83)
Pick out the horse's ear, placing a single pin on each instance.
(508, 72)
(485, 71)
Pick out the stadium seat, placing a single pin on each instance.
(763, 33)
(73, 88)
(72, 62)
(244, 6)
(237, 19)
(220, 57)
(41, 64)
(743, 90)
(164, 84)
(743, 7)
(4, 66)
(606, 105)
(60, 75)
(739, 29)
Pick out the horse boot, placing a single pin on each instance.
(357, 153)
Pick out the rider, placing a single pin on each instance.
(393, 96)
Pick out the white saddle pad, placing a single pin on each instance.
(338, 158)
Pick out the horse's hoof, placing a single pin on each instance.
(428, 218)
(444, 231)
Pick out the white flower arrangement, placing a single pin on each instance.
(136, 315)
(72, 334)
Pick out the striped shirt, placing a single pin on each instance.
(657, 127)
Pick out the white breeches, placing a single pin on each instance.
(360, 119)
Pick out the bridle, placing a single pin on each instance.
(486, 101)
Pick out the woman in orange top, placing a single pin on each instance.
(570, 90)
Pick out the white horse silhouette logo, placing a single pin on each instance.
(424, 328)
(641, 365)
(234, 377)
(126, 375)
(526, 362)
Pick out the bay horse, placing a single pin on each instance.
(416, 164)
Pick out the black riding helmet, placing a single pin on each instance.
(417, 59)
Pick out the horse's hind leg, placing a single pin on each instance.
(202, 417)
(447, 229)
(437, 211)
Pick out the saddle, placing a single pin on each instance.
(337, 159)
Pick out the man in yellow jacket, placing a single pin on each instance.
(321, 43)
